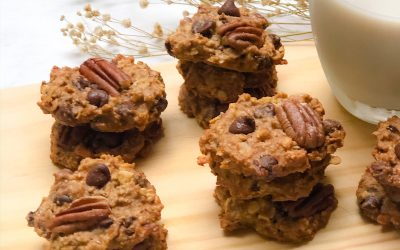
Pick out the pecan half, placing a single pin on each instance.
(239, 35)
(301, 123)
(106, 75)
(83, 214)
(321, 198)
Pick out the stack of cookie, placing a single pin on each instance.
(223, 53)
(269, 156)
(378, 193)
(103, 107)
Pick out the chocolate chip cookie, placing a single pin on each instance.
(378, 192)
(226, 37)
(105, 204)
(69, 145)
(226, 85)
(288, 221)
(258, 142)
(110, 96)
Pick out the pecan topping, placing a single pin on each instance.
(321, 198)
(301, 123)
(83, 214)
(106, 75)
(239, 35)
(229, 8)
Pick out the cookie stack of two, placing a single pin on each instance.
(223, 52)
(103, 107)
(269, 156)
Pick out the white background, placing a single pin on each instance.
(31, 41)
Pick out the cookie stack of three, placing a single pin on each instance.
(269, 156)
(103, 107)
(223, 53)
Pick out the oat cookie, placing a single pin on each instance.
(226, 85)
(226, 37)
(69, 145)
(105, 204)
(267, 139)
(378, 193)
(110, 96)
(288, 221)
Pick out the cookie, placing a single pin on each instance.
(378, 193)
(288, 221)
(375, 204)
(216, 36)
(225, 85)
(69, 145)
(289, 187)
(110, 96)
(270, 138)
(105, 204)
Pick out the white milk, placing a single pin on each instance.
(358, 43)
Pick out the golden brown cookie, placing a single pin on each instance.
(220, 38)
(110, 96)
(105, 204)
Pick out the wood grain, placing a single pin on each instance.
(190, 212)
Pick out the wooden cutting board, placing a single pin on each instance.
(190, 213)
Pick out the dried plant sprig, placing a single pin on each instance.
(100, 34)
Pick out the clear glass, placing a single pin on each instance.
(358, 45)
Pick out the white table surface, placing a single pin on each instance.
(31, 41)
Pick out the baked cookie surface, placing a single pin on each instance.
(289, 221)
(110, 96)
(69, 145)
(105, 204)
(226, 37)
(226, 85)
(270, 138)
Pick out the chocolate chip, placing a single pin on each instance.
(168, 46)
(371, 202)
(267, 110)
(144, 245)
(127, 222)
(129, 232)
(30, 218)
(331, 126)
(81, 83)
(397, 150)
(204, 27)
(392, 129)
(97, 97)
(254, 187)
(60, 200)
(98, 176)
(160, 105)
(110, 140)
(64, 114)
(276, 40)
(229, 8)
(106, 223)
(242, 125)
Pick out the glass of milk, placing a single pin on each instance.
(358, 43)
